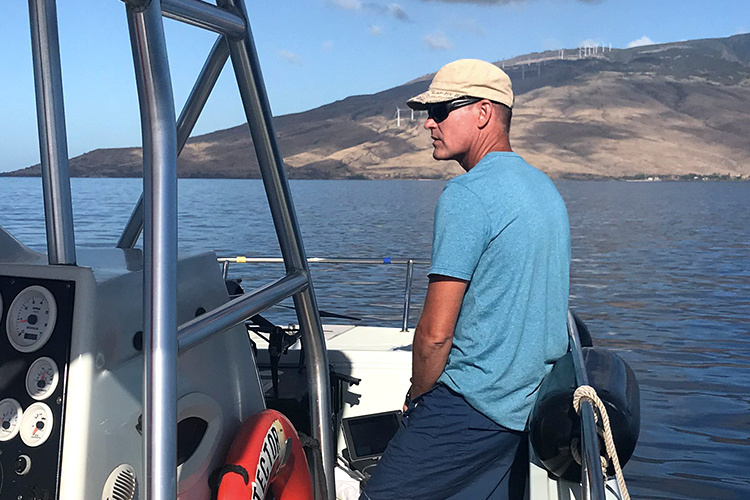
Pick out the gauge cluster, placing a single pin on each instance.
(36, 317)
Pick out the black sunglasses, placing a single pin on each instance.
(441, 110)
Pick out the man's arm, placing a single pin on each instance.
(433, 336)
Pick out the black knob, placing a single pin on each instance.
(22, 465)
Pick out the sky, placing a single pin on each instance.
(313, 52)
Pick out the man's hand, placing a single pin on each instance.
(433, 336)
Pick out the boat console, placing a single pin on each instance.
(71, 376)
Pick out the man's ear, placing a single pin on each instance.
(486, 110)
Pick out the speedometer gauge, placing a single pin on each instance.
(31, 318)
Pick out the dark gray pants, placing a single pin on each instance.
(446, 449)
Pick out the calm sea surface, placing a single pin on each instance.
(660, 273)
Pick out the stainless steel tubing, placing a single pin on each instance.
(205, 15)
(258, 112)
(133, 228)
(53, 146)
(160, 247)
(592, 479)
(185, 123)
(321, 260)
(407, 295)
(327, 260)
(582, 377)
(201, 91)
(238, 310)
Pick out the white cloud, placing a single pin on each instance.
(376, 30)
(328, 45)
(290, 57)
(346, 4)
(644, 40)
(398, 12)
(438, 41)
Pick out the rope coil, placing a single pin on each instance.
(588, 393)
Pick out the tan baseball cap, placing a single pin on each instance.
(466, 77)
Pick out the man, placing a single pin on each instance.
(494, 318)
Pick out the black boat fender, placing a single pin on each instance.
(554, 425)
(583, 331)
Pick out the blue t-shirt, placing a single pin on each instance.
(503, 227)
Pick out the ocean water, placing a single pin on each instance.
(660, 274)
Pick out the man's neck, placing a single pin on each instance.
(473, 157)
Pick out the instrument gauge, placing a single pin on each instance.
(42, 378)
(36, 424)
(31, 318)
(10, 418)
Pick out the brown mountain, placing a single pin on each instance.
(661, 110)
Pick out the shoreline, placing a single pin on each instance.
(568, 177)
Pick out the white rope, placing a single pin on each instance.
(589, 393)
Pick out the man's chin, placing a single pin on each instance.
(440, 156)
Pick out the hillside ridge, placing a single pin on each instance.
(673, 110)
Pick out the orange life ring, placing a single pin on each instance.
(255, 461)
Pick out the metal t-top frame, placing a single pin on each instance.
(156, 212)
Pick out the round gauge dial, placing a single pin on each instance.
(42, 378)
(31, 318)
(36, 424)
(10, 418)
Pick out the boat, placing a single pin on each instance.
(126, 374)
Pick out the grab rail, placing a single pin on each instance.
(237, 310)
(205, 15)
(53, 142)
(592, 479)
(191, 111)
(409, 263)
(158, 126)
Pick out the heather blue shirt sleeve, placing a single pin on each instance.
(461, 233)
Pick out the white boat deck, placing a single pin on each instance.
(381, 358)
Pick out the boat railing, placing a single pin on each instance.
(592, 479)
(408, 279)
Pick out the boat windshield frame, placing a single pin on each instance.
(155, 213)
